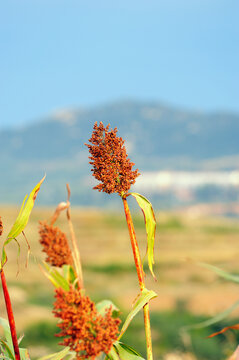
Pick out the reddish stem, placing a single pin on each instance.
(140, 273)
(134, 244)
(10, 316)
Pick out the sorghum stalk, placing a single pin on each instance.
(140, 273)
(113, 168)
(10, 316)
(75, 253)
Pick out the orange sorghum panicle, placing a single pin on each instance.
(84, 330)
(111, 165)
(55, 245)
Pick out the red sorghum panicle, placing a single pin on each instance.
(84, 330)
(111, 165)
(1, 227)
(55, 245)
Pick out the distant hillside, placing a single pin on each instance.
(158, 137)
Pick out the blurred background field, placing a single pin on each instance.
(187, 292)
(165, 73)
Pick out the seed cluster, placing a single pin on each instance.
(84, 330)
(111, 165)
(55, 245)
(1, 226)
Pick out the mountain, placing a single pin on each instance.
(158, 137)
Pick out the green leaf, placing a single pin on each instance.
(103, 305)
(213, 320)
(55, 277)
(150, 224)
(7, 350)
(120, 351)
(69, 274)
(8, 343)
(126, 352)
(7, 333)
(224, 274)
(22, 218)
(56, 356)
(112, 355)
(143, 298)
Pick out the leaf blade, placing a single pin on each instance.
(150, 224)
(222, 273)
(214, 319)
(126, 352)
(22, 218)
(144, 297)
(56, 356)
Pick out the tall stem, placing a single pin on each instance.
(10, 316)
(76, 252)
(140, 273)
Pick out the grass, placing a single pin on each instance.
(108, 268)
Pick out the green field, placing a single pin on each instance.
(187, 292)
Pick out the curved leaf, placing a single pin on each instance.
(112, 355)
(56, 356)
(213, 320)
(7, 332)
(22, 218)
(69, 274)
(224, 274)
(55, 277)
(143, 298)
(6, 348)
(150, 224)
(126, 352)
(121, 351)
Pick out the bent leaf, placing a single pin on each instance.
(213, 320)
(150, 224)
(126, 352)
(121, 351)
(56, 356)
(7, 345)
(22, 218)
(69, 274)
(143, 298)
(235, 327)
(55, 277)
(224, 274)
(112, 355)
(7, 351)
(7, 332)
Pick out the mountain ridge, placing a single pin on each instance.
(157, 137)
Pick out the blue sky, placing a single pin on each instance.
(71, 53)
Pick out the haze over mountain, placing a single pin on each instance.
(158, 137)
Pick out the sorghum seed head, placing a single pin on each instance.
(84, 330)
(111, 165)
(55, 245)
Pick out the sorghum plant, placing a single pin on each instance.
(88, 330)
(114, 170)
